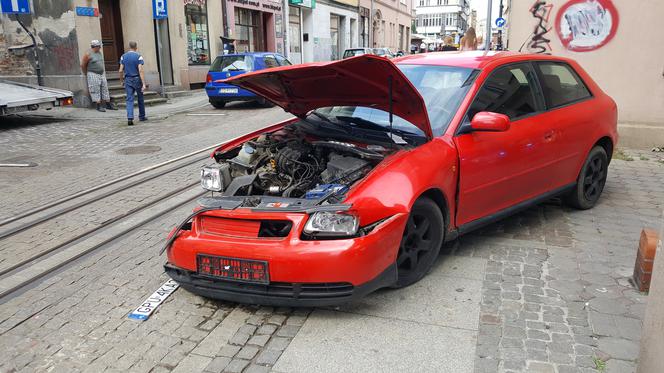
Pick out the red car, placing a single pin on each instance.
(383, 162)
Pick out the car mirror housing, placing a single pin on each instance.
(490, 122)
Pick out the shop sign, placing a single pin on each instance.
(303, 3)
(246, 2)
(194, 2)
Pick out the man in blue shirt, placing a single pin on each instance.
(131, 64)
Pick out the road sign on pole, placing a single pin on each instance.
(15, 6)
(500, 21)
(159, 9)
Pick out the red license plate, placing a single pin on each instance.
(233, 268)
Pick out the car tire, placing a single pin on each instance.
(421, 242)
(218, 104)
(591, 180)
(262, 102)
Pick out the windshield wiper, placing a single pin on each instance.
(321, 116)
(375, 126)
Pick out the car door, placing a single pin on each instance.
(500, 169)
(571, 111)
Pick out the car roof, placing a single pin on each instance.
(471, 59)
(257, 54)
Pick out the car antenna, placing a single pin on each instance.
(389, 85)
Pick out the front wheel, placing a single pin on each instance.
(421, 242)
(591, 180)
(218, 104)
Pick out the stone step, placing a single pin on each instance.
(148, 102)
(121, 96)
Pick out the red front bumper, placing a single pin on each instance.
(356, 261)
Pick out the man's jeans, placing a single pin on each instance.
(134, 85)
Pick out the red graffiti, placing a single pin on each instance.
(538, 41)
(586, 25)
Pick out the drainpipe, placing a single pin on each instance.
(371, 25)
(285, 29)
(489, 23)
(40, 79)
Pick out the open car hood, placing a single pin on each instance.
(356, 81)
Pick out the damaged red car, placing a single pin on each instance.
(384, 161)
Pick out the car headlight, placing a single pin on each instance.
(211, 178)
(331, 224)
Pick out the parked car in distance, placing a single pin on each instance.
(384, 52)
(393, 158)
(230, 65)
(357, 52)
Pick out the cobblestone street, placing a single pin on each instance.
(546, 290)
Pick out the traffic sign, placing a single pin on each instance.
(500, 22)
(159, 9)
(15, 6)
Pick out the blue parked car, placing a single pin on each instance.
(228, 65)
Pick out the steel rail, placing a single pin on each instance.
(104, 185)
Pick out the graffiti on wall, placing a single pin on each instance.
(585, 25)
(538, 41)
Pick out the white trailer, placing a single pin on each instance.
(17, 97)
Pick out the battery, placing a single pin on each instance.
(322, 190)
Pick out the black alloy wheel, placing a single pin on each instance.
(591, 180)
(421, 242)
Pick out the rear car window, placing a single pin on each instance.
(270, 61)
(353, 52)
(509, 91)
(283, 62)
(561, 85)
(232, 63)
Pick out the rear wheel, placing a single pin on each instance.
(218, 104)
(591, 180)
(264, 102)
(421, 242)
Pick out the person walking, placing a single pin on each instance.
(131, 64)
(469, 40)
(448, 46)
(92, 66)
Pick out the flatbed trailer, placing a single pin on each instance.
(18, 97)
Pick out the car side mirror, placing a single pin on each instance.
(490, 122)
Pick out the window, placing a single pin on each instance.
(248, 31)
(282, 61)
(232, 63)
(198, 47)
(507, 91)
(561, 85)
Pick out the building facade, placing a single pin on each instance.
(321, 30)
(601, 35)
(390, 26)
(436, 18)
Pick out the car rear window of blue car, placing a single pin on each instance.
(232, 63)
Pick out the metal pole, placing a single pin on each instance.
(489, 22)
(161, 67)
(285, 28)
(371, 25)
(500, 31)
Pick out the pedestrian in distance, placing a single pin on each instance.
(92, 66)
(131, 71)
(469, 40)
(448, 40)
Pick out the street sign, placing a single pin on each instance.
(15, 6)
(500, 22)
(159, 9)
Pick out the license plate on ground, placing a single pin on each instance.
(233, 268)
(227, 90)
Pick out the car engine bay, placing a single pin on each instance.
(288, 164)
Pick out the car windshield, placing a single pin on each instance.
(232, 63)
(441, 87)
(353, 52)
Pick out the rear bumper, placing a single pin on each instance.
(212, 90)
(279, 294)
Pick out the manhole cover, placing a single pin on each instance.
(140, 149)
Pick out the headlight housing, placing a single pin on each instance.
(331, 224)
(211, 178)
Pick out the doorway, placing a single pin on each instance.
(335, 42)
(111, 33)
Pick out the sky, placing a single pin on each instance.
(482, 5)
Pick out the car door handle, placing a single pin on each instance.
(549, 135)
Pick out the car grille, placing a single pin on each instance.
(245, 228)
(280, 289)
